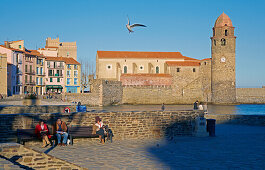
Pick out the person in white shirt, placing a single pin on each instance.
(200, 106)
(100, 129)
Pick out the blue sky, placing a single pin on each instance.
(184, 26)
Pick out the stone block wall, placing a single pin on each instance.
(146, 79)
(125, 125)
(27, 158)
(250, 95)
(103, 93)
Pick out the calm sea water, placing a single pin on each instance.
(243, 109)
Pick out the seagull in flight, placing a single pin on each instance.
(129, 27)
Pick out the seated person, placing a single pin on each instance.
(100, 129)
(61, 131)
(42, 132)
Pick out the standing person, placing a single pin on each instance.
(42, 132)
(100, 130)
(195, 105)
(200, 106)
(61, 131)
(163, 107)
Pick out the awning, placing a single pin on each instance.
(54, 87)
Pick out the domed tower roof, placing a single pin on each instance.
(223, 20)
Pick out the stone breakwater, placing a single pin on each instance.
(125, 125)
(27, 158)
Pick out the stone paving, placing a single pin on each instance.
(234, 147)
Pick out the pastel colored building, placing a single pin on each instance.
(73, 76)
(54, 78)
(14, 60)
(3, 75)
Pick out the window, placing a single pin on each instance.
(26, 68)
(50, 73)
(178, 69)
(67, 54)
(205, 63)
(41, 69)
(58, 79)
(223, 42)
(37, 80)
(19, 46)
(30, 68)
(68, 66)
(226, 32)
(40, 80)
(75, 73)
(108, 67)
(50, 79)
(194, 70)
(54, 65)
(214, 42)
(157, 69)
(48, 64)
(61, 64)
(26, 78)
(125, 69)
(141, 67)
(68, 73)
(75, 67)
(68, 81)
(30, 79)
(37, 69)
(75, 81)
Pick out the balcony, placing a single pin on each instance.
(59, 67)
(41, 74)
(30, 83)
(40, 64)
(56, 75)
(30, 72)
(40, 83)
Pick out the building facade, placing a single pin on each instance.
(73, 76)
(3, 75)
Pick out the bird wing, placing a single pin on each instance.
(128, 20)
(137, 25)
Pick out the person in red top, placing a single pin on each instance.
(42, 132)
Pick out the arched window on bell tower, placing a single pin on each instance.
(223, 42)
(226, 32)
(125, 69)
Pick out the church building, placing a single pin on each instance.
(170, 77)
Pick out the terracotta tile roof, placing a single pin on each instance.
(13, 49)
(65, 59)
(183, 63)
(33, 52)
(138, 54)
(146, 75)
(206, 59)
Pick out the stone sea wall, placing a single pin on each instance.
(133, 125)
(27, 158)
(250, 95)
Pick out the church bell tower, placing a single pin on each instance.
(223, 76)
